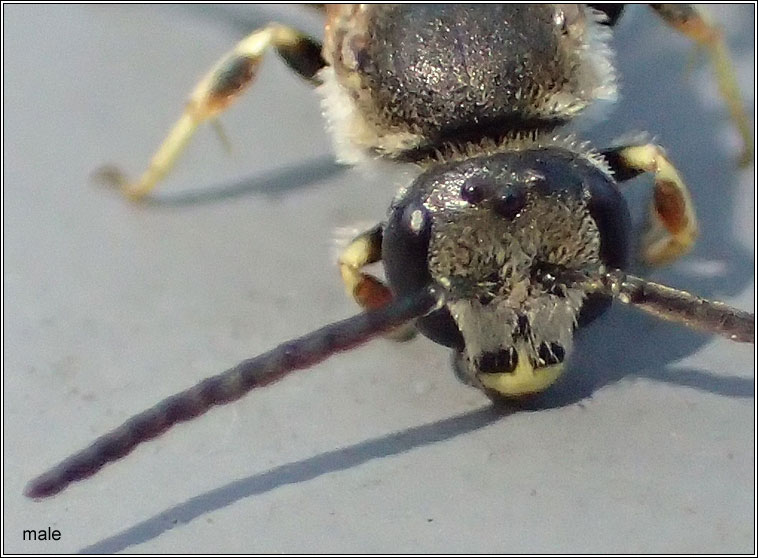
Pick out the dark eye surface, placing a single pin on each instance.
(611, 214)
(405, 250)
(405, 246)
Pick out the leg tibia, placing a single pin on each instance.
(368, 291)
(691, 21)
(224, 84)
(673, 223)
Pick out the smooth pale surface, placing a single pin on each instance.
(646, 444)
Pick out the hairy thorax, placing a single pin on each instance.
(406, 78)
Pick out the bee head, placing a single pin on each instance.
(486, 229)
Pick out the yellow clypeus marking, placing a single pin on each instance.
(525, 379)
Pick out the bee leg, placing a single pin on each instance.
(673, 224)
(691, 21)
(368, 291)
(225, 83)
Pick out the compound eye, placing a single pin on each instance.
(405, 247)
(510, 203)
(405, 252)
(609, 210)
(475, 190)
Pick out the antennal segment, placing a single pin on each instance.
(665, 302)
(232, 384)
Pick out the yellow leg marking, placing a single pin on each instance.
(164, 159)
(727, 82)
(673, 223)
(212, 95)
(369, 292)
(366, 290)
(705, 34)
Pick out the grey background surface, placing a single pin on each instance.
(646, 445)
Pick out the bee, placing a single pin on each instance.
(512, 235)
